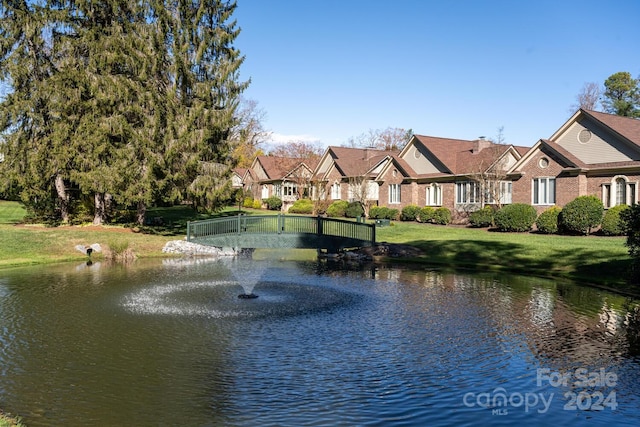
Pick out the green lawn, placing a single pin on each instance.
(603, 260)
(592, 259)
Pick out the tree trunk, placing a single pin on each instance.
(142, 212)
(100, 209)
(63, 197)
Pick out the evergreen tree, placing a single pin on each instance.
(128, 101)
(622, 95)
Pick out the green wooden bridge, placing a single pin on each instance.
(281, 231)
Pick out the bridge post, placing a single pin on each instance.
(319, 218)
(280, 223)
(188, 231)
(373, 234)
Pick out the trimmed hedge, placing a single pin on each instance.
(581, 215)
(337, 209)
(410, 213)
(383, 212)
(426, 214)
(547, 221)
(482, 217)
(354, 210)
(612, 223)
(442, 216)
(273, 203)
(518, 217)
(302, 206)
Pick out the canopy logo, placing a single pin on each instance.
(586, 391)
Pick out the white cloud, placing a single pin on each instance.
(278, 138)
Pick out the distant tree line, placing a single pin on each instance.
(118, 103)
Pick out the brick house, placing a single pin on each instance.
(593, 153)
(283, 177)
(350, 174)
(460, 175)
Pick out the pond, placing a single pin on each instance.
(168, 342)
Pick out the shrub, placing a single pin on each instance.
(581, 215)
(631, 224)
(273, 203)
(257, 204)
(482, 217)
(547, 221)
(410, 213)
(302, 206)
(337, 209)
(392, 214)
(426, 214)
(518, 217)
(383, 212)
(442, 216)
(354, 210)
(612, 223)
(375, 212)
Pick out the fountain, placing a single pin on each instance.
(212, 292)
(247, 273)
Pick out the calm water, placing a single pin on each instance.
(169, 343)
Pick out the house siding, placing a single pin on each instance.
(601, 148)
(420, 161)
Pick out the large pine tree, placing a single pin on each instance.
(124, 101)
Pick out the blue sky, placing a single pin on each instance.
(328, 70)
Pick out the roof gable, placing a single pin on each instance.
(597, 138)
(421, 159)
(433, 155)
(272, 168)
(564, 158)
(351, 162)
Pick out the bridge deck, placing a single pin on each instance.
(281, 231)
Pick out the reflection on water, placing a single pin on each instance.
(169, 343)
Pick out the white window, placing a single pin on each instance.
(372, 190)
(335, 191)
(467, 192)
(499, 192)
(544, 191)
(265, 191)
(277, 190)
(619, 192)
(434, 195)
(289, 189)
(394, 193)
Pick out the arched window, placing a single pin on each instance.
(620, 191)
(335, 191)
(434, 195)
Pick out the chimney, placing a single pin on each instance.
(480, 144)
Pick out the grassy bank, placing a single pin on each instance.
(7, 421)
(591, 259)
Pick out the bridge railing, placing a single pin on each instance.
(281, 224)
